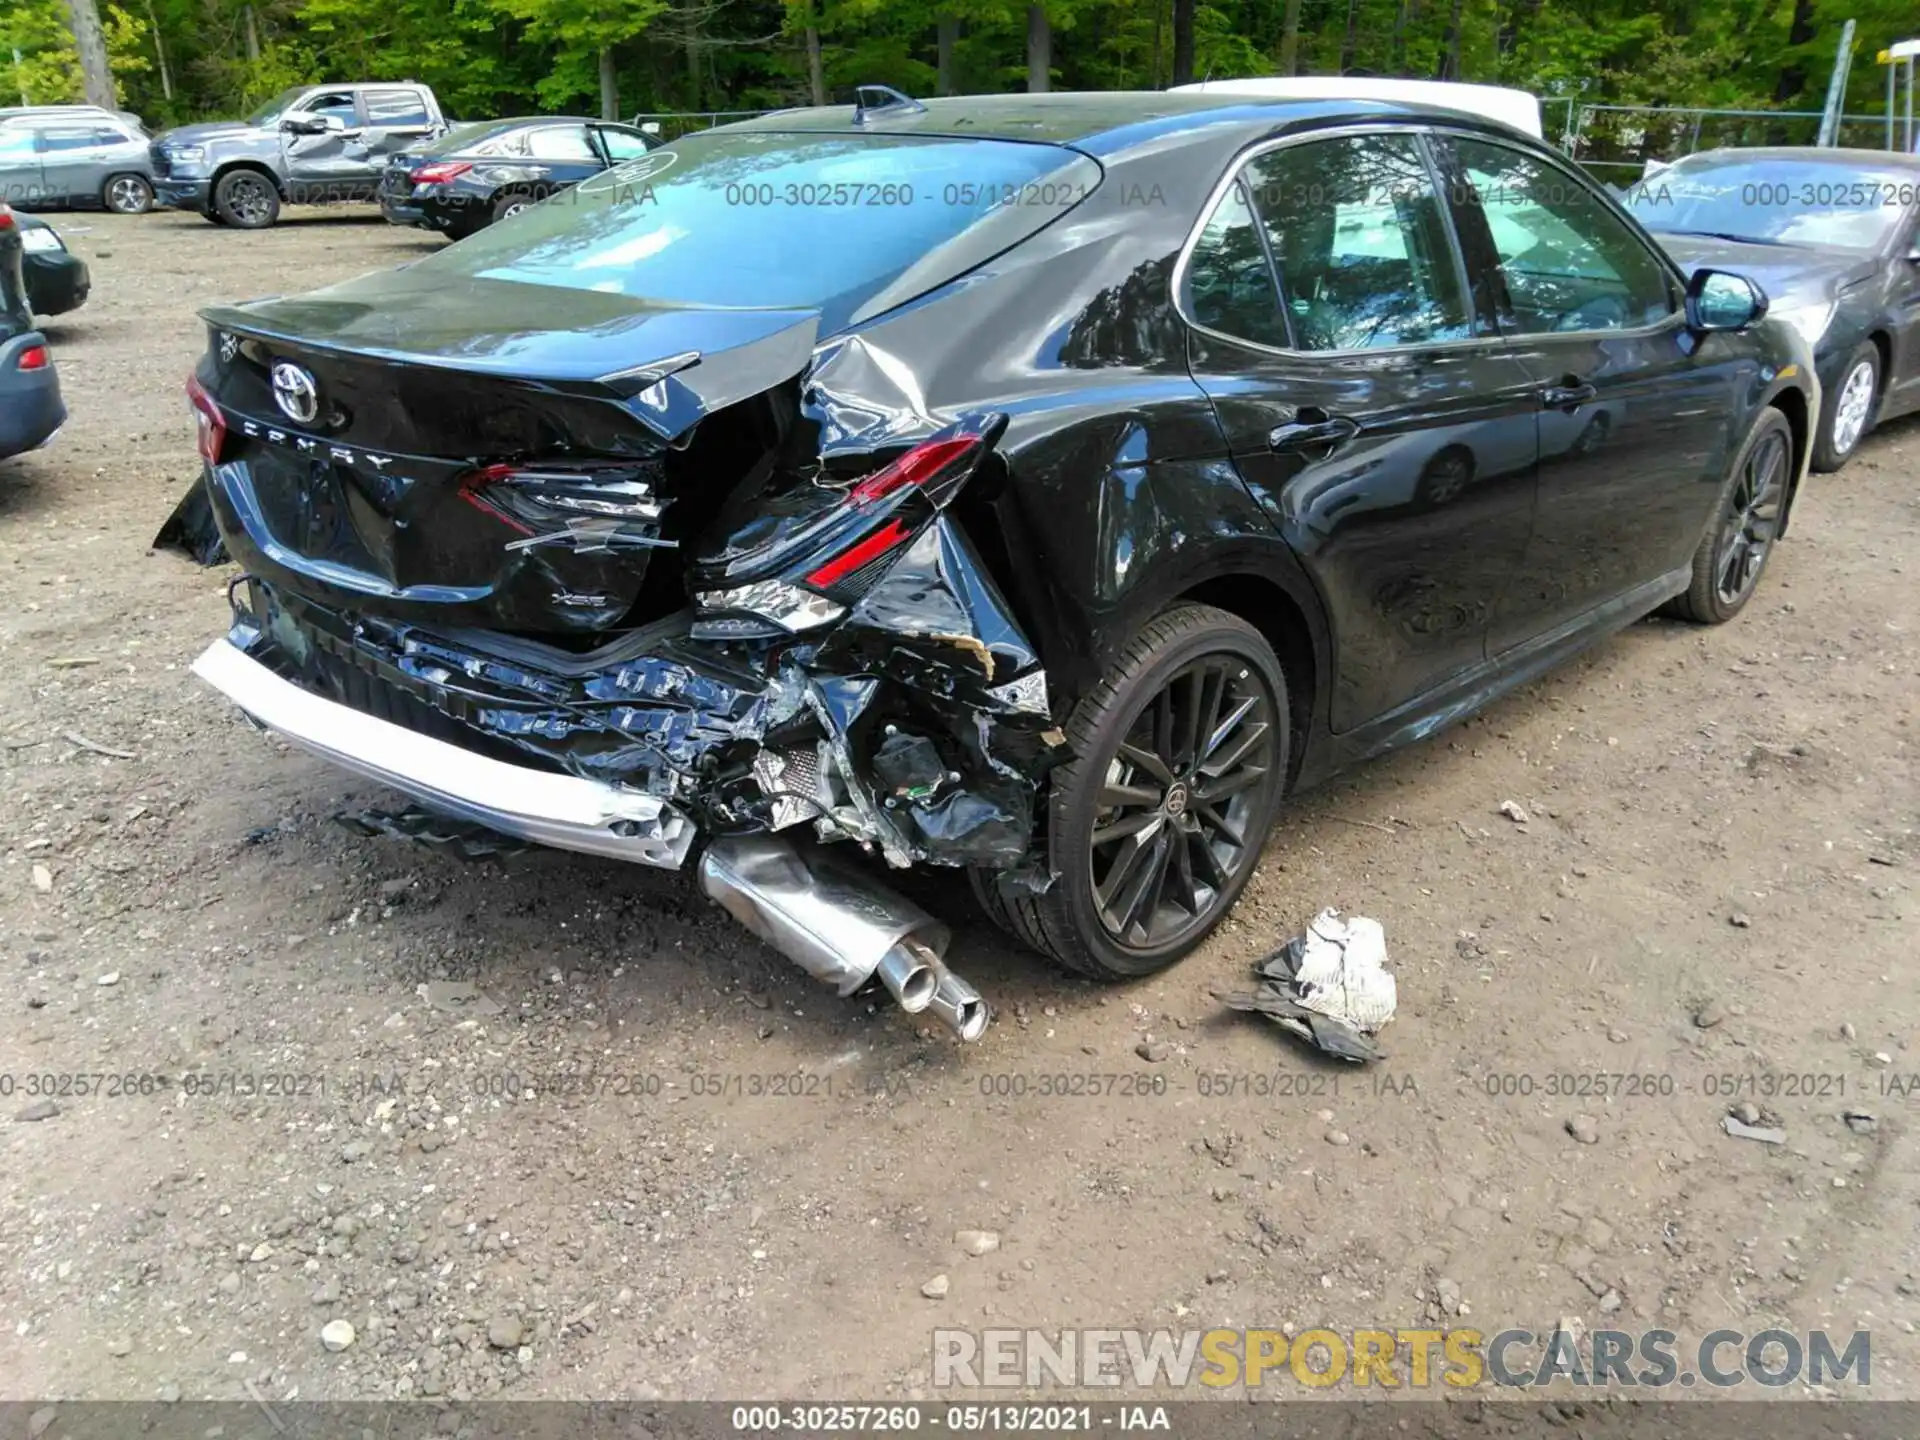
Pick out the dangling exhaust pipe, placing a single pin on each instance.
(841, 927)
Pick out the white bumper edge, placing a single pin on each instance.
(564, 811)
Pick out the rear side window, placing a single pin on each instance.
(72, 138)
(1360, 238)
(396, 107)
(1229, 284)
(1567, 262)
(847, 224)
(561, 142)
(623, 144)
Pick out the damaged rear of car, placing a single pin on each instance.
(571, 533)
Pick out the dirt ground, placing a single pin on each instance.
(1714, 892)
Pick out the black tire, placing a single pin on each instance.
(1862, 371)
(127, 194)
(512, 203)
(1202, 661)
(1746, 522)
(212, 217)
(246, 200)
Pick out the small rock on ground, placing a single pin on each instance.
(1585, 1129)
(936, 1288)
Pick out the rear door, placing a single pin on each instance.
(396, 119)
(1632, 405)
(73, 158)
(1384, 426)
(562, 155)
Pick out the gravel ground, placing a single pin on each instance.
(1713, 891)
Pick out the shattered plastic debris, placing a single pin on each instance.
(457, 997)
(1329, 986)
(1765, 1134)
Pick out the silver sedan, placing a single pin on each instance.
(75, 160)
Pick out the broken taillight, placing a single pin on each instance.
(206, 415)
(607, 498)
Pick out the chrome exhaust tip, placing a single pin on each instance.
(839, 925)
(959, 1006)
(908, 971)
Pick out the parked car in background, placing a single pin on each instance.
(1830, 235)
(310, 145)
(480, 173)
(30, 405)
(1518, 108)
(75, 160)
(10, 113)
(57, 280)
(974, 533)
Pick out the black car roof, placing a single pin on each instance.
(1100, 121)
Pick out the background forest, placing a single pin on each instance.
(179, 60)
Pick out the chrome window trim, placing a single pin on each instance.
(1422, 131)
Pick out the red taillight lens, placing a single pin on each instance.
(6, 218)
(206, 414)
(858, 557)
(473, 488)
(34, 357)
(440, 174)
(916, 467)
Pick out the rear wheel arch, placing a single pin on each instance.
(1273, 610)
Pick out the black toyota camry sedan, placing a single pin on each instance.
(1046, 486)
(480, 173)
(1833, 238)
(30, 404)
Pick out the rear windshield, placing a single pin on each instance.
(1777, 202)
(847, 224)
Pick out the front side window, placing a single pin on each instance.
(623, 144)
(1229, 284)
(331, 102)
(1360, 239)
(1566, 261)
(68, 138)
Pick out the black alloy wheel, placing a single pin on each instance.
(1747, 522)
(247, 200)
(1155, 826)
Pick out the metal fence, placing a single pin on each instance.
(675, 123)
(1615, 142)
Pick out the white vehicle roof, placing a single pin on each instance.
(1494, 102)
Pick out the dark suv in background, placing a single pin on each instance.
(30, 406)
(311, 145)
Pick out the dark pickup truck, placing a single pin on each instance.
(311, 145)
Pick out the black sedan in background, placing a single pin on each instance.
(485, 172)
(57, 280)
(1830, 236)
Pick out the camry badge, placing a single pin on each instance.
(295, 393)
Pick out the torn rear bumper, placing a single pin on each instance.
(564, 811)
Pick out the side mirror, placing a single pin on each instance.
(1722, 300)
(312, 124)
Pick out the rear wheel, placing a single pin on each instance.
(1728, 564)
(510, 205)
(127, 195)
(1848, 410)
(1155, 826)
(246, 200)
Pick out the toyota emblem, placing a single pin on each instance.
(295, 393)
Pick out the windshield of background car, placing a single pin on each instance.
(1779, 201)
(270, 112)
(850, 225)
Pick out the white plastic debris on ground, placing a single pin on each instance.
(1329, 986)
